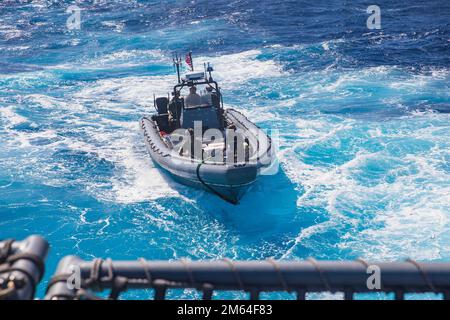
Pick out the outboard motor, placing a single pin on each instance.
(21, 267)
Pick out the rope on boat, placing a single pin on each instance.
(214, 191)
(217, 193)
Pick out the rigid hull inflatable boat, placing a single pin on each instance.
(202, 145)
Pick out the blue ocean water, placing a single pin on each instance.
(363, 120)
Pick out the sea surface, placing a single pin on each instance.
(363, 118)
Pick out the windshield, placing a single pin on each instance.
(198, 98)
(199, 95)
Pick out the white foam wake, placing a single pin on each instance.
(377, 197)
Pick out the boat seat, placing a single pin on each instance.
(162, 120)
(161, 105)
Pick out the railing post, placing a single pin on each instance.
(348, 295)
(301, 294)
(160, 289)
(399, 295)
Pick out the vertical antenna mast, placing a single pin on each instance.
(177, 63)
(209, 69)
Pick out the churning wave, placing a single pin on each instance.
(363, 149)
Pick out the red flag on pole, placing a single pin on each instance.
(189, 60)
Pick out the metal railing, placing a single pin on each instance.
(21, 267)
(253, 277)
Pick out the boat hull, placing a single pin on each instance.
(230, 193)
